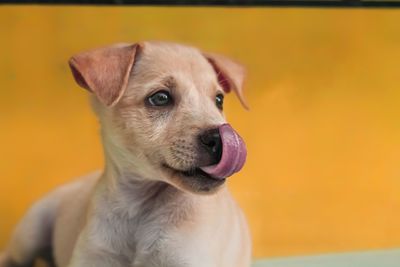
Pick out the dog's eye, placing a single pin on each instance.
(219, 101)
(160, 98)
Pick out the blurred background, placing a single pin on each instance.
(323, 131)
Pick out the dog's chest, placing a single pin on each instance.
(167, 231)
(172, 248)
(151, 234)
(177, 241)
(162, 240)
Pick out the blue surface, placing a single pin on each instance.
(382, 258)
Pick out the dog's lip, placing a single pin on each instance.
(193, 172)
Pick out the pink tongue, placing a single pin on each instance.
(233, 154)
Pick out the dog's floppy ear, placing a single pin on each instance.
(230, 75)
(105, 71)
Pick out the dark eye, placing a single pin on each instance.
(160, 99)
(219, 101)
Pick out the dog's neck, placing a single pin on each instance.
(126, 192)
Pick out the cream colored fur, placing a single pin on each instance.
(136, 212)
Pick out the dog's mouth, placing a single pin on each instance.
(196, 179)
(193, 173)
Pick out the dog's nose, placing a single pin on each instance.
(211, 141)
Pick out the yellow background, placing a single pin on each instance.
(323, 132)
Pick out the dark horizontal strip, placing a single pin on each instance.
(239, 3)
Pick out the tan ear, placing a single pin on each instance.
(105, 71)
(230, 75)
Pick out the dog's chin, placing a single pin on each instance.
(194, 180)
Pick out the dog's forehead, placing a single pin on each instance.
(171, 59)
(175, 54)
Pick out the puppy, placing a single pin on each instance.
(161, 199)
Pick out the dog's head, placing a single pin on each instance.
(160, 106)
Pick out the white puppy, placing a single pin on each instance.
(161, 199)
